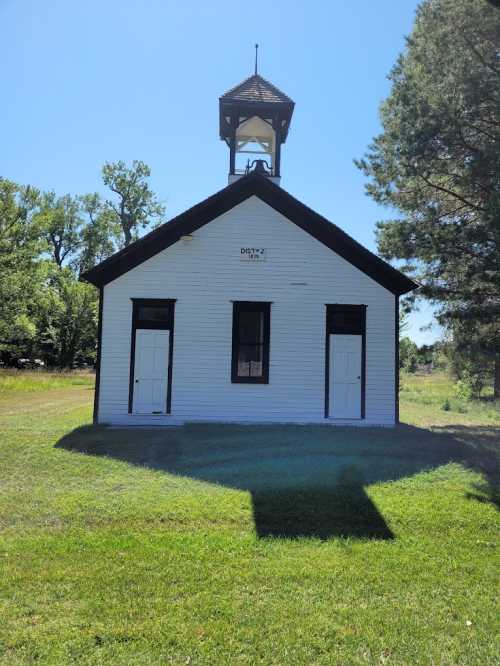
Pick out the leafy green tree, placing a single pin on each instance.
(437, 161)
(426, 354)
(100, 234)
(67, 320)
(20, 247)
(408, 355)
(135, 205)
(404, 322)
(46, 242)
(61, 221)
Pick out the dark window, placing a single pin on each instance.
(346, 319)
(153, 313)
(251, 333)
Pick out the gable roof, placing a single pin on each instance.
(254, 184)
(256, 89)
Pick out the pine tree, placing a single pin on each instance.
(437, 161)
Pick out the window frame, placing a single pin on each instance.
(158, 324)
(251, 306)
(346, 327)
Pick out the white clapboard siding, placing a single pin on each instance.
(300, 275)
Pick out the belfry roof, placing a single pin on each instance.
(256, 89)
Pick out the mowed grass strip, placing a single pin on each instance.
(14, 382)
(152, 548)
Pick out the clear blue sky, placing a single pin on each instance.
(102, 80)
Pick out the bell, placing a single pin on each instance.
(261, 167)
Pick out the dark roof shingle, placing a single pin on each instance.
(256, 89)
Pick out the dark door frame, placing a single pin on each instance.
(167, 325)
(354, 328)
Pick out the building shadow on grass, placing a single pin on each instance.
(305, 481)
(482, 448)
(343, 510)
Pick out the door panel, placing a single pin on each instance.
(345, 376)
(151, 371)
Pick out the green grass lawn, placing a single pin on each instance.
(230, 545)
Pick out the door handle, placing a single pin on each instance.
(137, 381)
(358, 378)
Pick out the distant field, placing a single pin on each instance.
(423, 400)
(27, 381)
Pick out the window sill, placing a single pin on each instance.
(249, 380)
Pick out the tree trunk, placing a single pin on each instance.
(496, 385)
(128, 235)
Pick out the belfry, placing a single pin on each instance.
(254, 119)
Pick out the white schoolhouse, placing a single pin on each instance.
(248, 307)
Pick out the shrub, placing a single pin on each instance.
(463, 390)
(474, 379)
(472, 372)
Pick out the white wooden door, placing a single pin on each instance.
(345, 376)
(151, 371)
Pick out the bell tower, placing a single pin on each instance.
(254, 119)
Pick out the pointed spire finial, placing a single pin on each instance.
(256, 57)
